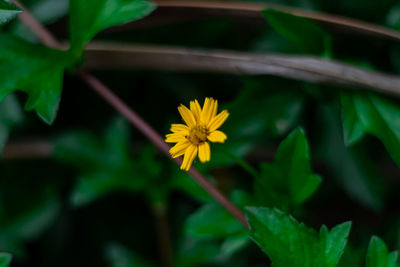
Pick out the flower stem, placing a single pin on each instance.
(163, 235)
(47, 38)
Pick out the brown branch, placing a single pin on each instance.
(28, 149)
(341, 24)
(143, 127)
(44, 36)
(112, 55)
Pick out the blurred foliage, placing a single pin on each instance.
(105, 194)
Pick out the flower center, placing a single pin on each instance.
(198, 134)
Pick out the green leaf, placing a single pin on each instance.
(268, 111)
(378, 254)
(290, 243)
(307, 35)
(34, 69)
(8, 11)
(350, 166)
(107, 164)
(288, 181)
(89, 17)
(5, 259)
(223, 223)
(353, 130)
(194, 252)
(374, 115)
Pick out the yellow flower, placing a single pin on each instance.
(201, 126)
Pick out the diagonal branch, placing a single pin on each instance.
(138, 122)
(252, 10)
(306, 68)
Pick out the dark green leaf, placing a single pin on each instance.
(288, 181)
(223, 223)
(378, 254)
(89, 17)
(353, 130)
(107, 164)
(351, 168)
(8, 11)
(290, 243)
(193, 252)
(34, 69)
(120, 256)
(374, 115)
(301, 31)
(267, 111)
(5, 259)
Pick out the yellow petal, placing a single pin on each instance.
(214, 109)
(209, 108)
(196, 109)
(179, 128)
(218, 120)
(187, 116)
(175, 137)
(217, 137)
(179, 149)
(189, 157)
(204, 152)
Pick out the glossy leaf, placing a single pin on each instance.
(307, 35)
(374, 115)
(288, 181)
(89, 17)
(8, 11)
(290, 243)
(378, 254)
(34, 69)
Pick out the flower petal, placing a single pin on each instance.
(218, 120)
(209, 108)
(204, 152)
(217, 137)
(175, 137)
(189, 157)
(179, 149)
(196, 109)
(179, 128)
(187, 116)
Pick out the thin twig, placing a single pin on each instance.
(102, 55)
(28, 149)
(340, 23)
(45, 36)
(142, 126)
